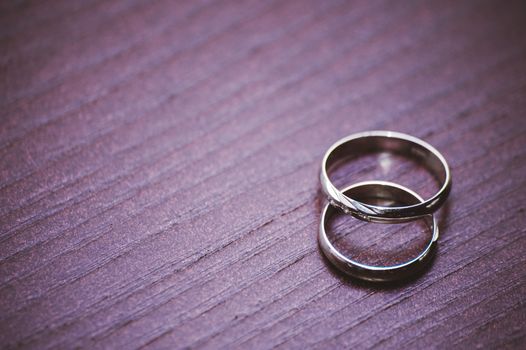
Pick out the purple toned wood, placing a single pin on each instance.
(159, 171)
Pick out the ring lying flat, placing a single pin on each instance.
(386, 141)
(379, 190)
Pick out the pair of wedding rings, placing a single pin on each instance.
(353, 199)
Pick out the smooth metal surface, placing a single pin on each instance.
(386, 141)
(379, 190)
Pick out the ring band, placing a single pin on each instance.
(394, 142)
(380, 190)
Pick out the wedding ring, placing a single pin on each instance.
(385, 191)
(393, 142)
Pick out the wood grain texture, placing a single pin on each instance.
(159, 171)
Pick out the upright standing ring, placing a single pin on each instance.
(379, 190)
(389, 141)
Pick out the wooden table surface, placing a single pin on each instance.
(159, 172)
